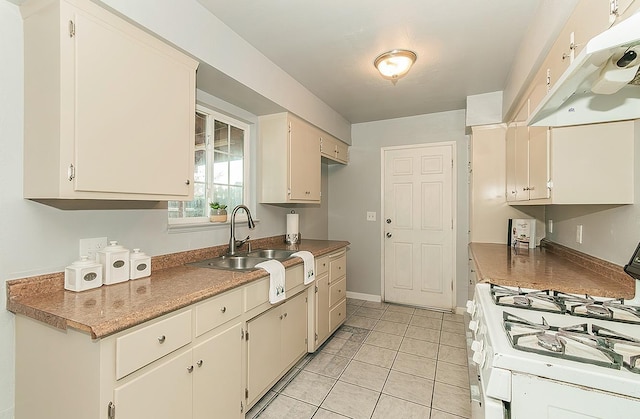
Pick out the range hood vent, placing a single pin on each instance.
(602, 84)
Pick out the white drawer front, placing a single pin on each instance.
(217, 311)
(137, 349)
(337, 267)
(337, 315)
(322, 265)
(337, 292)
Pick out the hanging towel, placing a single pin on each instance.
(309, 265)
(276, 279)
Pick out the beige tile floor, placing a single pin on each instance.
(386, 361)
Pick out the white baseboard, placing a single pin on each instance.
(366, 297)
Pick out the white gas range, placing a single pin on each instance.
(553, 355)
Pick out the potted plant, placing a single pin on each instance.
(218, 212)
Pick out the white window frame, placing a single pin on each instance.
(212, 116)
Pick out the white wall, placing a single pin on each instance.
(355, 189)
(609, 232)
(39, 239)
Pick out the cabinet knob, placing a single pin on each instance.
(281, 317)
(389, 235)
(187, 182)
(223, 309)
(285, 315)
(162, 338)
(190, 369)
(200, 363)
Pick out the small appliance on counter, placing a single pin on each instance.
(115, 261)
(83, 274)
(139, 264)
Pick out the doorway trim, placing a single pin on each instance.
(454, 211)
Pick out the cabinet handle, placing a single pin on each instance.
(162, 338)
(190, 369)
(514, 192)
(200, 363)
(223, 309)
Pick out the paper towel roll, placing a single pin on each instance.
(293, 234)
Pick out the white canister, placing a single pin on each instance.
(83, 274)
(139, 264)
(115, 263)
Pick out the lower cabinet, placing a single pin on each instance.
(194, 384)
(276, 340)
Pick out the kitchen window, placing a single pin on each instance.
(220, 169)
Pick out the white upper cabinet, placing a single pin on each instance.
(334, 150)
(289, 160)
(109, 109)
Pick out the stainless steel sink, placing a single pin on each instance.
(243, 261)
(233, 263)
(279, 254)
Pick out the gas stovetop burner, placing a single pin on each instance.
(559, 302)
(586, 343)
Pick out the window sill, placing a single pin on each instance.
(205, 225)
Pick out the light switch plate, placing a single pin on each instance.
(371, 216)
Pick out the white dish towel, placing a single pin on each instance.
(309, 265)
(276, 279)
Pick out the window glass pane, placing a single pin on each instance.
(220, 193)
(221, 137)
(236, 171)
(201, 128)
(235, 196)
(200, 169)
(236, 145)
(197, 207)
(220, 168)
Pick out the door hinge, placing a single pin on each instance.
(306, 341)
(111, 411)
(241, 407)
(241, 334)
(71, 172)
(452, 163)
(246, 393)
(316, 288)
(316, 337)
(452, 224)
(306, 299)
(246, 335)
(72, 29)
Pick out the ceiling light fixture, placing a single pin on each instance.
(395, 64)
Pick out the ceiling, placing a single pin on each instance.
(329, 47)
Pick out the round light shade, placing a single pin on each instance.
(395, 64)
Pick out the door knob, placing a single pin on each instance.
(389, 235)
(388, 220)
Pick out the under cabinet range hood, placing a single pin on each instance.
(602, 84)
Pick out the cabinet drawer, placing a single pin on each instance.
(217, 311)
(137, 349)
(258, 292)
(337, 315)
(337, 266)
(322, 265)
(337, 292)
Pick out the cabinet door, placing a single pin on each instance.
(294, 329)
(538, 162)
(322, 309)
(512, 192)
(134, 112)
(304, 162)
(217, 377)
(164, 392)
(522, 162)
(263, 352)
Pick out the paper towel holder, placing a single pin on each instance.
(292, 237)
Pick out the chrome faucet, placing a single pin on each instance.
(233, 243)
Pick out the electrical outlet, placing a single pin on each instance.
(371, 216)
(579, 234)
(91, 247)
(550, 225)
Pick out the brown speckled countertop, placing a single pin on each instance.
(172, 285)
(551, 266)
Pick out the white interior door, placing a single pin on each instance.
(418, 225)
